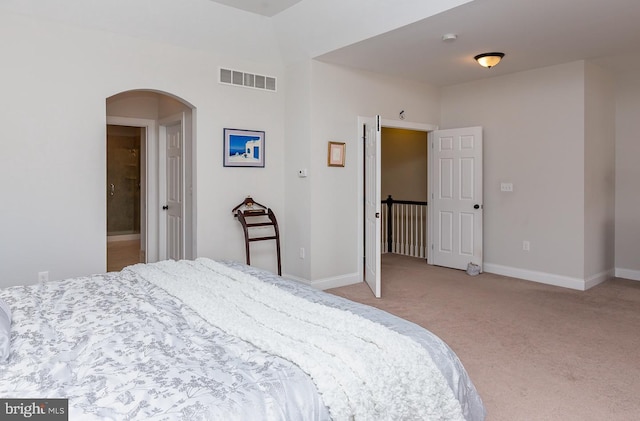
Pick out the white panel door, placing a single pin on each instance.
(175, 192)
(372, 144)
(456, 197)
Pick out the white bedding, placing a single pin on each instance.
(119, 347)
(363, 370)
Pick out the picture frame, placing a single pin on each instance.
(243, 148)
(336, 154)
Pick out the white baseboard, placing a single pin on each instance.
(542, 277)
(634, 275)
(327, 283)
(528, 275)
(599, 278)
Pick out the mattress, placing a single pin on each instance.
(143, 344)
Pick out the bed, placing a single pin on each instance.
(209, 340)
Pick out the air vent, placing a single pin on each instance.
(247, 80)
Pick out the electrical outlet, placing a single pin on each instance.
(43, 276)
(506, 187)
(526, 246)
(302, 252)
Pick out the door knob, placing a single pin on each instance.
(476, 206)
(165, 207)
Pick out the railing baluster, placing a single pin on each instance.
(383, 237)
(422, 233)
(404, 230)
(400, 230)
(384, 231)
(419, 232)
(412, 247)
(396, 233)
(406, 227)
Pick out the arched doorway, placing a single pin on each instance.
(160, 188)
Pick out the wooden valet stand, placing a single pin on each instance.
(262, 217)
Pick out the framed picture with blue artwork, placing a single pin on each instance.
(243, 148)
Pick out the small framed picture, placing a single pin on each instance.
(336, 154)
(243, 148)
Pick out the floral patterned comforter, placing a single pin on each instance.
(120, 348)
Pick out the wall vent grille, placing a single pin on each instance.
(247, 80)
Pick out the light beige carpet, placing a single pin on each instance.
(534, 351)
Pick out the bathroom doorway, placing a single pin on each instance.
(124, 186)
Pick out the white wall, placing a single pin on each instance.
(194, 24)
(599, 176)
(57, 74)
(67, 56)
(627, 225)
(297, 232)
(534, 138)
(339, 95)
(56, 78)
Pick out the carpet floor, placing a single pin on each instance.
(534, 351)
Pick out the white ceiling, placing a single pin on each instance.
(532, 34)
(262, 7)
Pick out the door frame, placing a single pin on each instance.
(178, 118)
(150, 198)
(148, 210)
(395, 124)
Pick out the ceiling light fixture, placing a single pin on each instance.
(489, 60)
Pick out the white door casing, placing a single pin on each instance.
(372, 145)
(456, 205)
(364, 181)
(143, 194)
(154, 160)
(171, 232)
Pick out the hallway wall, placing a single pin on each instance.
(404, 164)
